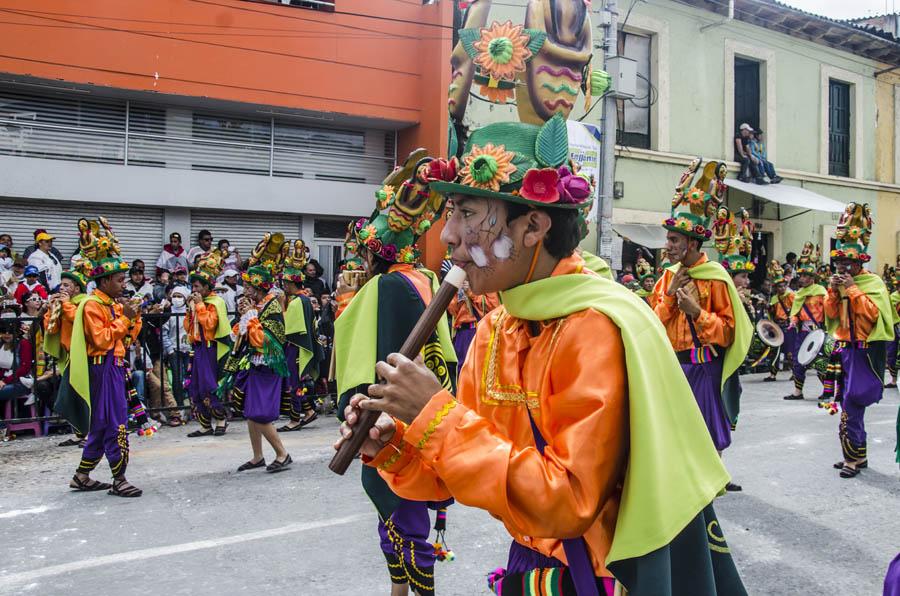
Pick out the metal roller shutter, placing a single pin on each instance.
(242, 229)
(139, 229)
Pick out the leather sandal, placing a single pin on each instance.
(90, 485)
(123, 488)
(250, 465)
(201, 433)
(279, 466)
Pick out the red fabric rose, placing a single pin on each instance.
(540, 185)
(389, 252)
(442, 169)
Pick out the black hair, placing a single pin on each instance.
(174, 235)
(791, 256)
(203, 233)
(9, 325)
(565, 231)
(319, 269)
(221, 240)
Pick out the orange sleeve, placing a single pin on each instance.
(255, 333)
(555, 494)
(716, 325)
(209, 321)
(101, 333)
(343, 301)
(665, 306)
(48, 328)
(832, 304)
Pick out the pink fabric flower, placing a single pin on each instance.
(571, 187)
(389, 252)
(540, 185)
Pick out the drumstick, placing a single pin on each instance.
(425, 326)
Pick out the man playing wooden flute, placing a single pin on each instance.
(572, 423)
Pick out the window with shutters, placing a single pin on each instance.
(838, 128)
(633, 115)
(746, 93)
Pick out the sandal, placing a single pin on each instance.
(90, 485)
(792, 397)
(279, 466)
(310, 420)
(859, 466)
(220, 430)
(731, 487)
(70, 442)
(251, 466)
(289, 429)
(891, 386)
(201, 433)
(848, 472)
(123, 488)
(769, 379)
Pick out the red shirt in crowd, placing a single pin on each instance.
(24, 288)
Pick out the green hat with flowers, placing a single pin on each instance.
(808, 261)
(854, 231)
(693, 205)
(77, 277)
(259, 276)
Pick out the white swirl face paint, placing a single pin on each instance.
(502, 246)
(478, 257)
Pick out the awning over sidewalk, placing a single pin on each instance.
(643, 234)
(792, 196)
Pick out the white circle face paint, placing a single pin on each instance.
(478, 257)
(502, 247)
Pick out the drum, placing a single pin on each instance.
(770, 333)
(810, 347)
(820, 363)
(757, 352)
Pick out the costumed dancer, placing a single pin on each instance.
(465, 312)
(700, 307)
(96, 398)
(807, 314)
(58, 321)
(780, 313)
(736, 250)
(301, 352)
(375, 324)
(209, 333)
(534, 435)
(893, 350)
(260, 332)
(858, 316)
(647, 279)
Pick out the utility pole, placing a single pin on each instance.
(608, 139)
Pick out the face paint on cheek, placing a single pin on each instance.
(478, 257)
(502, 246)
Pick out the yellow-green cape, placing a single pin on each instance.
(295, 324)
(223, 329)
(52, 344)
(802, 294)
(79, 376)
(597, 265)
(895, 306)
(774, 299)
(673, 469)
(642, 293)
(873, 287)
(356, 339)
(743, 328)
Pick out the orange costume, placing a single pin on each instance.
(255, 333)
(865, 313)
(780, 307)
(103, 332)
(462, 314)
(714, 325)
(208, 319)
(63, 325)
(481, 448)
(816, 305)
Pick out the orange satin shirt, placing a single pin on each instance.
(255, 334)
(714, 325)
(63, 325)
(781, 310)
(865, 313)
(816, 305)
(481, 449)
(461, 314)
(208, 317)
(102, 331)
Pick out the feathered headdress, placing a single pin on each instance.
(854, 231)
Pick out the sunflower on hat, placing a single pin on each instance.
(99, 249)
(209, 267)
(737, 246)
(853, 233)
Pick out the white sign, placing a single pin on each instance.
(584, 149)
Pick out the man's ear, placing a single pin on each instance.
(537, 227)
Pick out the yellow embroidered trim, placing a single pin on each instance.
(392, 459)
(435, 422)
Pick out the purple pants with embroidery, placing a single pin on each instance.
(706, 383)
(109, 414)
(204, 381)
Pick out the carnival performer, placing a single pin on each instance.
(209, 334)
(261, 331)
(534, 435)
(97, 392)
(376, 323)
(807, 313)
(301, 351)
(893, 350)
(58, 321)
(647, 279)
(858, 316)
(736, 251)
(465, 312)
(780, 313)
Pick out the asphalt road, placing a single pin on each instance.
(201, 528)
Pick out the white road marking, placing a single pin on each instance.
(18, 512)
(9, 581)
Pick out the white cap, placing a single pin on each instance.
(746, 126)
(229, 273)
(181, 290)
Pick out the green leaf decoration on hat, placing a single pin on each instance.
(523, 163)
(552, 145)
(468, 37)
(452, 140)
(537, 40)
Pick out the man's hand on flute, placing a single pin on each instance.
(379, 435)
(406, 389)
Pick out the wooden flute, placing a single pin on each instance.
(414, 343)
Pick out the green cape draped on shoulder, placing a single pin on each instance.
(52, 345)
(223, 328)
(873, 287)
(295, 329)
(673, 469)
(743, 328)
(802, 294)
(895, 306)
(74, 399)
(597, 265)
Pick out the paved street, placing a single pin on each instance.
(203, 529)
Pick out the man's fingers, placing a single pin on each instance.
(385, 371)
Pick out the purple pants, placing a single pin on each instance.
(461, 343)
(239, 391)
(204, 381)
(109, 415)
(798, 371)
(262, 398)
(522, 560)
(293, 401)
(404, 542)
(892, 579)
(706, 383)
(892, 352)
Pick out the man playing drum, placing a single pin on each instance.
(807, 314)
(780, 312)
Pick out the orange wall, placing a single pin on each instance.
(236, 50)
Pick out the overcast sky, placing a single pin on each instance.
(845, 9)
